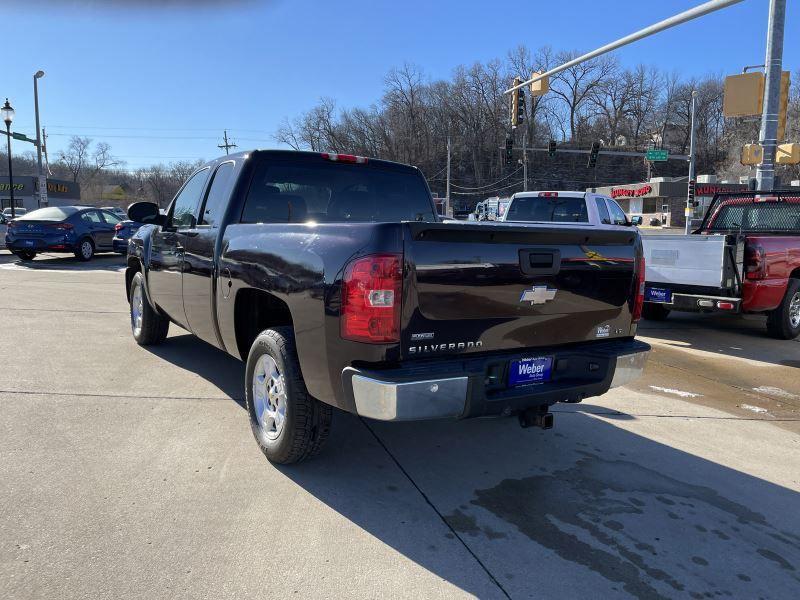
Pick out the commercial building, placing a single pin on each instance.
(662, 200)
(26, 192)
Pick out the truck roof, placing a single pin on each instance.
(306, 155)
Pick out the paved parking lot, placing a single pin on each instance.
(131, 473)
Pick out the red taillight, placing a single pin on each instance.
(548, 194)
(755, 262)
(118, 226)
(371, 290)
(725, 305)
(345, 158)
(60, 226)
(638, 299)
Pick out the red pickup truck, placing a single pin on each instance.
(744, 258)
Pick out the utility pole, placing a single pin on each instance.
(690, 187)
(447, 192)
(525, 160)
(227, 144)
(44, 149)
(765, 175)
(42, 199)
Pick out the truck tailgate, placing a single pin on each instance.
(512, 287)
(688, 260)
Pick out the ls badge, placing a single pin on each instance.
(538, 294)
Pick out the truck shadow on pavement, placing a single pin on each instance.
(588, 510)
(215, 366)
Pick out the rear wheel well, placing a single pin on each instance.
(795, 274)
(255, 311)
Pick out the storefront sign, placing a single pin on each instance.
(18, 187)
(709, 189)
(631, 193)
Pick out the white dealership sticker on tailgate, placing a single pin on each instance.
(603, 330)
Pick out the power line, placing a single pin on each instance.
(488, 192)
(488, 185)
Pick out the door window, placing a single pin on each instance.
(184, 208)
(91, 216)
(603, 211)
(617, 214)
(218, 193)
(110, 217)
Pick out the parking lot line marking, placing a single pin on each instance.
(107, 395)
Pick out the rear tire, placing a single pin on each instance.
(85, 250)
(148, 327)
(783, 323)
(288, 424)
(26, 255)
(655, 312)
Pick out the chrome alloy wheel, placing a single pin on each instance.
(86, 249)
(137, 309)
(794, 311)
(269, 397)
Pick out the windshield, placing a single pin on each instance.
(51, 213)
(540, 209)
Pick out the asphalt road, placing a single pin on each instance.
(128, 472)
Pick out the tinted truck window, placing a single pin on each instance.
(548, 209)
(288, 192)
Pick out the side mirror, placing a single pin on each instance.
(636, 220)
(146, 212)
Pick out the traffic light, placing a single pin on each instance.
(752, 154)
(593, 155)
(551, 148)
(517, 103)
(509, 150)
(692, 202)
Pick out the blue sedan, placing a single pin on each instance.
(122, 233)
(80, 230)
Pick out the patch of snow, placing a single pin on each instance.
(680, 393)
(755, 409)
(775, 391)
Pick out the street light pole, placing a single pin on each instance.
(765, 175)
(8, 116)
(525, 160)
(447, 192)
(692, 158)
(42, 200)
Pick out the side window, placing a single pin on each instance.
(603, 211)
(617, 214)
(91, 216)
(187, 201)
(218, 193)
(110, 217)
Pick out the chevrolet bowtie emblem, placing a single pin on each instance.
(538, 294)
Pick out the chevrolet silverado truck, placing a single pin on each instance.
(332, 276)
(744, 258)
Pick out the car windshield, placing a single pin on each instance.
(50, 213)
(548, 209)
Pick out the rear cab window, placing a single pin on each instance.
(548, 209)
(309, 190)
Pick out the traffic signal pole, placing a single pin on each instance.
(765, 175)
(690, 191)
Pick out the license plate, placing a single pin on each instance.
(27, 242)
(530, 370)
(658, 295)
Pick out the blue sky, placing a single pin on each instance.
(159, 81)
